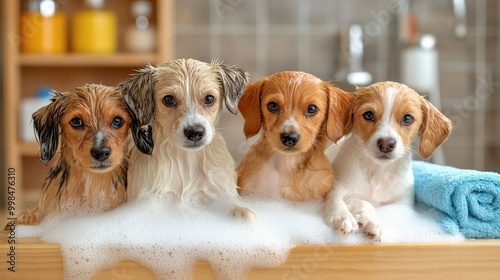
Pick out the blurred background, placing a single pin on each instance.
(264, 37)
(447, 50)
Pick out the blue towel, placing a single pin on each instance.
(468, 200)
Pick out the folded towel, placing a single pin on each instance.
(468, 200)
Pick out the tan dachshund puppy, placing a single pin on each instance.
(176, 107)
(93, 124)
(295, 113)
(373, 163)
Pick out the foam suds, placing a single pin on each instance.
(169, 238)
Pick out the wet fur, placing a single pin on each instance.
(364, 179)
(73, 182)
(164, 163)
(302, 172)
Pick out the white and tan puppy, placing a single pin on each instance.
(175, 108)
(373, 163)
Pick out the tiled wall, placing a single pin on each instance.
(266, 36)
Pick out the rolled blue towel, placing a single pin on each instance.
(468, 200)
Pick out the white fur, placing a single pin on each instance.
(364, 181)
(290, 126)
(386, 130)
(190, 119)
(99, 138)
(197, 175)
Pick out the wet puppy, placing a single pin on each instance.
(179, 153)
(373, 163)
(295, 114)
(93, 124)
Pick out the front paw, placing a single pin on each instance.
(246, 215)
(370, 226)
(345, 222)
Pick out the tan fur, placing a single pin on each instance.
(74, 181)
(302, 171)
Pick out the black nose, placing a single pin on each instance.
(289, 139)
(386, 145)
(100, 153)
(194, 133)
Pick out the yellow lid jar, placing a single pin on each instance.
(43, 28)
(94, 30)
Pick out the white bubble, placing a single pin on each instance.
(169, 238)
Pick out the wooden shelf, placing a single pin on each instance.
(29, 149)
(88, 60)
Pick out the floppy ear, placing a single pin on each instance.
(46, 123)
(434, 131)
(138, 92)
(249, 106)
(339, 112)
(233, 82)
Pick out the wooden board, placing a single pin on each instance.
(475, 259)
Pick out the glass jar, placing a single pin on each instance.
(94, 30)
(43, 28)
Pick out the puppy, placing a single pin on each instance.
(373, 163)
(179, 153)
(295, 113)
(93, 123)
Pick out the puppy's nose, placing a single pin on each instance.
(386, 145)
(194, 133)
(100, 153)
(289, 139)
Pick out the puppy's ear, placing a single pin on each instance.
(434, 131)
(339, 112)
(139, 92)
(233, 82)
(249, 106)
(46, 123)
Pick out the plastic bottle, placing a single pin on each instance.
(28, 107)
(94, 30)
(43, 28)
(140, 37)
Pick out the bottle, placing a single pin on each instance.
(94, 30)
(28, 107)
(140, 37)
(43, 28)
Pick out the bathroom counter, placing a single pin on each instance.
(472, 259)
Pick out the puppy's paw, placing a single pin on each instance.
(246, 215)
(29, 217)
(345, 223)
(370, 226)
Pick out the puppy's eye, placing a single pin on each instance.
(117, 122)
(169, 100)
(369, 116)
(273, 107)
(209, 100)
(76, 123)
(311, 110)
(407, 120)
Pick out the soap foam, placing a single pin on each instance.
(169, 238)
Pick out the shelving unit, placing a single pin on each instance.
(24, 73)
(83, 60)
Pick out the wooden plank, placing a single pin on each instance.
(475, 259)
(165, 35)
(29, 149)
(10, 109)
(88, 60)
